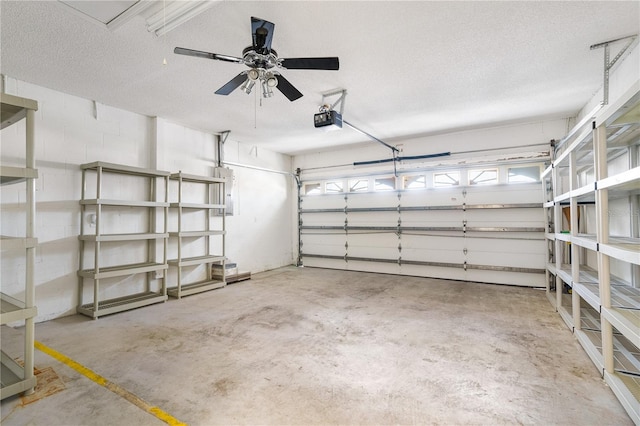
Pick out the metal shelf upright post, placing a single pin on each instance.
(214, 196)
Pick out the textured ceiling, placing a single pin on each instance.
(410, 68)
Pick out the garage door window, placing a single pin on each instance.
(524, 174)
(333, 187)
(445, 179)
(414, 182)
(358, 185)
(483, 177)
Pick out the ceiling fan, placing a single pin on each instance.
(263, 63)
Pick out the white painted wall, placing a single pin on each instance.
(261, 225)
(71, 131)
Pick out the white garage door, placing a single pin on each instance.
(483, 225)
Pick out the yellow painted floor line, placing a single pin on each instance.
(140, 403)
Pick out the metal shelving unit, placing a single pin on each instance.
(153, 208)
(597, 166)
(14, 377)
(213, 190)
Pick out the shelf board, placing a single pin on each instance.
(626, 356)
(122, 270)
(613, 113)
(563, 236)
(120, 168)
(627, 180)
(587, 241)
(193, 288)
(124, 203)
(622, 296)
(583, 191)
(195, 234)
(564, 273)
(589, 293)
(123, 237)
(591, 340)
(626, 249)
(119, 304)
(14, 109)
(552, 298)
(589, 319)
(198, 206)
(17, 243)
(12, 175)
(549, 204)
(582, 138)
(627, 390)
(566, 316)
(12, 377)
(195, 178)
(626, 321)
(12, 309)
(197, 260)
(550, 236)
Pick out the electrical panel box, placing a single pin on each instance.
(223, 172)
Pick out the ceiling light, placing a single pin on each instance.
(247, 86)
(266, 90)
(253, 74)
(272, 81)
(174, 14)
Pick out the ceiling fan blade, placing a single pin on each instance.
(233, 84)
(206, 55)
(328, 63)
(287, 88)
(262, 33)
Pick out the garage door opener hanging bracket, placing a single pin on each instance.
(608, 64)
(341, 101)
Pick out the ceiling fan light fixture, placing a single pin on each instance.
(247, 86)
(266, 90)
(253, 74)
(272, 81)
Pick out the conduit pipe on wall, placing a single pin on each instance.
(405, 158)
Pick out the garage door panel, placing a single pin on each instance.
(372, 200)
(323, 219)
(432, 218)
(495, 244)
(333, 201)
(433, 197)
(509, 259)
(433, 255)
(382, 268)
(368, 219)
(325, 244)
(433, 271)
(510, 278)
(504, 194)
(509, 217)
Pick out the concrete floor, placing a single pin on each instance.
(315, 346)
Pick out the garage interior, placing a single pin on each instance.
(272, 212)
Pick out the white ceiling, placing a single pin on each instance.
(410, 68)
